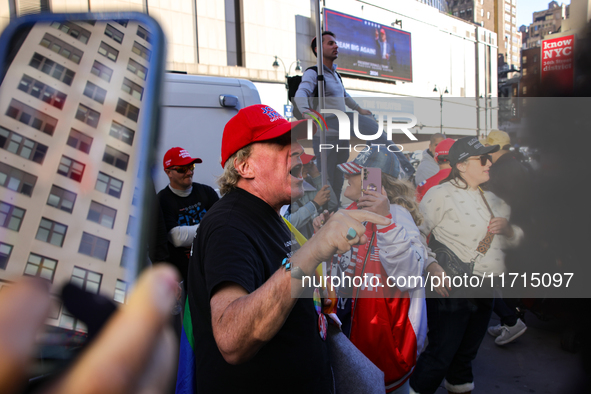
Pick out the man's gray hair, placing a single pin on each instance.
(230, 177)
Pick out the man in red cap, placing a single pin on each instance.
(441, 152)
(183, 204)
(252, 331)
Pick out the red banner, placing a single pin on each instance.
(558, 61)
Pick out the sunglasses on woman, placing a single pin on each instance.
(184, 169)
(483, 159)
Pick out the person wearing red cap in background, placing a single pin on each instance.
(251, 332)
(302, 211)
(183, 205)
(441, 152)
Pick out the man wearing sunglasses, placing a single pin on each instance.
(183, 203)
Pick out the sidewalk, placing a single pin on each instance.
(533, 363)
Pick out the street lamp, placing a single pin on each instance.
(440, 106)
(286, 71)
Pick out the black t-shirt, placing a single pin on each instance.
(184, 211)
(243, 240)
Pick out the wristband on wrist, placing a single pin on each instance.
(296, 272)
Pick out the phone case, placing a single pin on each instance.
(371, 179)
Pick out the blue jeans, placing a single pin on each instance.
(456, 329)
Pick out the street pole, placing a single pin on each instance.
(320, 84)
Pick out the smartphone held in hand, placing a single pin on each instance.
(371, 180)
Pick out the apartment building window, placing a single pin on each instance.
(524, 72)
(125, 257)
(58, 46)
(524, 59)
(482, 12)
(524, 90)
(31, 117)
(108, 51)
(120, 291)
(22, 146)
(40, 266)
(72, 29)
(128, 110)
(122, 133)
(109, 185)
(52, 69)
(51, 232)
(86, 280)
(143, 33)
(71, 168)
(131, 226)
(5, 251)
(87, 115)
(488, 15)
(69, 322)
(116, 158)
(469, 12)
(11, 216)
(141, 51)
(41, 91)
(507, 18)
(535, 58)
(101, 214)
(17, 180)
(94, 92)
(133, 89)
(101, 71)
(122, 22)
(61, 199)
(113, 33)
(79, 140)
(94, 246)
(137, 69)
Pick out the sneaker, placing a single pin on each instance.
(510, 333)
(495, 331)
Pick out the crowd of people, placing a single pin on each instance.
(249, 324)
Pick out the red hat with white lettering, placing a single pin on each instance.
(442, 148)
(257, 123)
(178, 157)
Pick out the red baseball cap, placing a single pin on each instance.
(178, 157)
(442, 148)
(306, 158)
(254, 124)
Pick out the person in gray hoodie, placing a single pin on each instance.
(428, 166)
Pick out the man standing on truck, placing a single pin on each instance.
(336, 97)
(183, 203)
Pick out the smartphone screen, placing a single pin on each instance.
(371, 179)
(78, 117)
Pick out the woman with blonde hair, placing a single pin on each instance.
(384, 316)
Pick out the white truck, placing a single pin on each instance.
(195, 110)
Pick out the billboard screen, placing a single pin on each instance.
(370, 49)
(558, 61)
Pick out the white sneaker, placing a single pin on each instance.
(509, 333)
(495, 331)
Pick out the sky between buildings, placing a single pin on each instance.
(525, 9)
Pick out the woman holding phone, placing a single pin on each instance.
(383, 312)
(471, 226)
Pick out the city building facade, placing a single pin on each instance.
(70, 107)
